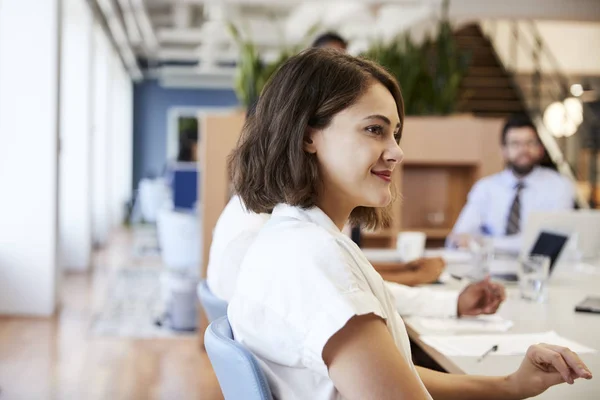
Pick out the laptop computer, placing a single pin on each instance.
(549, 244)
(582, 226)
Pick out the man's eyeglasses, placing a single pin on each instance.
(530, 144)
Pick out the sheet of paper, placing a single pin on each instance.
(508, 344)
(483, 323)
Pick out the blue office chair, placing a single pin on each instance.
(214, 307)
(237, 370)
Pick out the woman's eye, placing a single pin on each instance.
(398, 136)
(376, 129)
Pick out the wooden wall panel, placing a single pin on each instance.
(220, 133)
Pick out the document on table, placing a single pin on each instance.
(482, 323)
(508, 344)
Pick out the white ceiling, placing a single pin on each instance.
(195, 31)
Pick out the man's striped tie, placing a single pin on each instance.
(514, 217)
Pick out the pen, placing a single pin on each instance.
(491, 350)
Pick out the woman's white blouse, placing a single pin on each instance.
(300, 282)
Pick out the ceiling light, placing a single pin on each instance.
(563, 118)
(576, 90)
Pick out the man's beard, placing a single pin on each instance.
(521, 170)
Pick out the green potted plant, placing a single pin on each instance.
(447, 66)
(429, 74)
(252, 72)
(407, 63)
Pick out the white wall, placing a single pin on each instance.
(29, 70)
(574, 45)
(100, 138)
(112, 138)
(76, 128)
(121, 141)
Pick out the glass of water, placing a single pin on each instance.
(482, 254)
(533, 277)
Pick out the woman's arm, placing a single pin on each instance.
(465, 387)
(364, 363)
(418, 272)
(544, 366)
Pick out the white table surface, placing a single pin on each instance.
(569, 284)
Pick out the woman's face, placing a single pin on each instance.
(359, 150)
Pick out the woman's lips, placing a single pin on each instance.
(386, 175)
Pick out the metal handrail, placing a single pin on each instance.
(539, 51)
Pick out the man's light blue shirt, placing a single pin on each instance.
(489, 202)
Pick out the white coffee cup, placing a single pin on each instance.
(411, 245)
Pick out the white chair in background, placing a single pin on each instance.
(180, 242)
(180, 239)
(153, 195)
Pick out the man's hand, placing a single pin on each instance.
(482, 297)
(461, 240)
(546, 365)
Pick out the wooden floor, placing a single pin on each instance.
(57, 359)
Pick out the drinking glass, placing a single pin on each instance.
(533, 277)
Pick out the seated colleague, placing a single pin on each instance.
(319, 151)
(331, 40)
(237, 228)
(499, 204)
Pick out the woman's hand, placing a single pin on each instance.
(546, 365)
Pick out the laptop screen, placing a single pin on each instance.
(550, 245)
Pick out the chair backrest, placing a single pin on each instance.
(179, 239)
(214, 307)
(237, 370)
(153, 195)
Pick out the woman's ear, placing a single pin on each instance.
(309, 141)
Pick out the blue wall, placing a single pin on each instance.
(151, 103)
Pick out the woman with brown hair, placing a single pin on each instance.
(320, 150)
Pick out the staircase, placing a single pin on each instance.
(488, 89)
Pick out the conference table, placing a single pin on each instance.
(569, 284)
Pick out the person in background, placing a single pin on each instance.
(188, 146)
(237, 228)
(498, 205)
(320, 150)
(331, 40)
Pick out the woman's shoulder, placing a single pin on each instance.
(299, 234)
(290, 250)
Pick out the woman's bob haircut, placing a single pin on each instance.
(269, 165)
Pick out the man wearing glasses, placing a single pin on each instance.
(498, 205)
